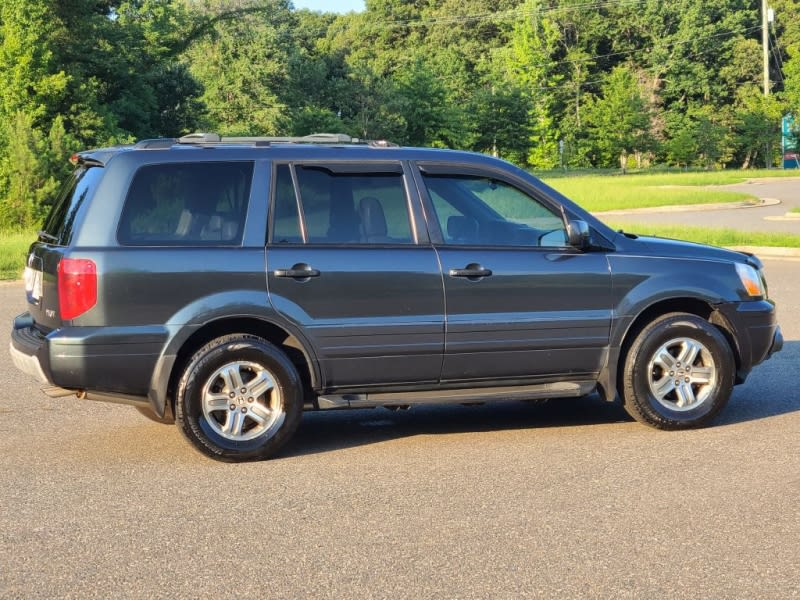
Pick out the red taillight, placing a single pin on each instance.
(77, 286)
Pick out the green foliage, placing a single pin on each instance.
(758, 123)
(619, 119)
(244, 68)
(541, 83)
(14, 246)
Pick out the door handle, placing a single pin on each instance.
(471, 271)
(298, 271)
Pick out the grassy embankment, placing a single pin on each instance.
(13, 249)
(601, 193)
(594, 192)
(646, 190)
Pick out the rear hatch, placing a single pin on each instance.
(46, 253)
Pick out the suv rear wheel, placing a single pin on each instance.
(678, 373)
(240, 398)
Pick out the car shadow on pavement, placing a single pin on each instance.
(769, 392)
(770, 389)
(337, 430)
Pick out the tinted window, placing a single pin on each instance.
(187, 204)
(484, 211)
(285, 221)
(360, 208)
(60, 221)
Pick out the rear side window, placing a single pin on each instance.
(60, 222)
(342, 206)
(180, 204)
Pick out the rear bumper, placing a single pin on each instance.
(114, 360)
(755, 330)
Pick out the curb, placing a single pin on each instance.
(690, 207)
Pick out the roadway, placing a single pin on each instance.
(567, 499)
(769, 218)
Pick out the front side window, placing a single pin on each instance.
(475, 210)
(341, 206)
(187, 204)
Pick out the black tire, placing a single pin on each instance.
(224, 427)
(659, 390)
(167, 419)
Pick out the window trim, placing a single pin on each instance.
(392, 167)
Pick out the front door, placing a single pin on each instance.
(521, 304)
(347, 264)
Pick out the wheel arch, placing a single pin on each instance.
(624, 338)
(296, 349)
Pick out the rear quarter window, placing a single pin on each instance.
(60, 221)
(180, 204)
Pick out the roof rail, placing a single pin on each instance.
(200, 138)
(156, 143)
(314, 138)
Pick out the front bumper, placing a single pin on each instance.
(755, 331)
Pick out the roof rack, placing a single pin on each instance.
(314, 138)
(156, 143)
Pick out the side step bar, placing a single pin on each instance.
(458, 396)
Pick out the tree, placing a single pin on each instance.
(529, 65)
(757, 123)
(243, 68)
(619, 120)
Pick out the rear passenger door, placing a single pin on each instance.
(347, 262)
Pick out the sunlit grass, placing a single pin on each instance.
(713, 236)
(616, 192)
(13, 252)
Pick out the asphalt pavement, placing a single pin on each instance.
(770, 217)
(569, 499)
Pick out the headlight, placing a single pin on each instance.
(751, 280)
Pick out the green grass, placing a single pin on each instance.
(713, 236)
(796, 209)
(677, 177)
(13, 252)
(599, 193)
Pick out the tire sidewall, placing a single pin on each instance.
(639, 376)
(194, 423)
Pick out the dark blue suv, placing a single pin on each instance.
(230, 284)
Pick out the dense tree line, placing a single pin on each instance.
(583, 83)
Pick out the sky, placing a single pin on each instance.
(340, 6)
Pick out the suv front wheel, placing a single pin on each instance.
(240, 398)
(678, 373)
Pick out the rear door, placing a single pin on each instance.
(347, 262)
(520, 302)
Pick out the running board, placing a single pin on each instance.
(458, 396)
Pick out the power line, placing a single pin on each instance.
(641, 49)
(500, 15)
(693, 55)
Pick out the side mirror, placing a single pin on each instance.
(578, 234)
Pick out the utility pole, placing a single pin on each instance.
(765, 43)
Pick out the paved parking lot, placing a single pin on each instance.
(771, 217)
(567, 499)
